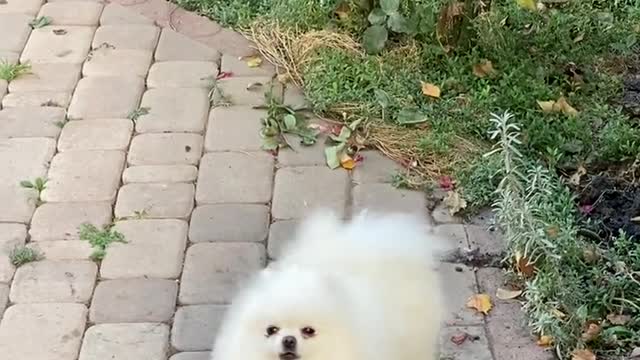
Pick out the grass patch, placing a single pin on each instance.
(100, 240)
(21, 255)
(10, 72)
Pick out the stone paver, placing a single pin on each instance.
(160, 174)
(213, 272)
(32, 121)
(235, 177)
(195, 327)
(174, 46)
(98, 97)
(298, 190)
(15, 29)
(165, 149)
(229, 222)
(24, 159)
(476, 349)
(192, 355)
(160, 201)
(134, 300)
(182, 74)
(37, 98)
(107, 61)
(375, 168)
(138, 37)
(58, 44)
(4, 297)
(234, 128)
(238, 67)
(42, 331)
(84, 176)
(48, 77)
(301, 155)
(461, 286)
(125, 342)
(388, 198)
(174, 109)
(248, 91)
(60, 221)
(54, 281)
(72, 12)
(90, 135)
(154, 249)
(279, 233)
(63, 249)
(149, 72)
(507, 323)
(115, 14)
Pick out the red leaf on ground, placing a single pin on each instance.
(224, 75)
(459, 339)
(446, 183)
(586, 209)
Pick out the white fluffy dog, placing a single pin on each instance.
(362, 290)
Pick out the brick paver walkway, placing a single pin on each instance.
(116, 115)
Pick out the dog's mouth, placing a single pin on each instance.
(289, 356)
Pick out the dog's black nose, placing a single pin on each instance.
(289, 343)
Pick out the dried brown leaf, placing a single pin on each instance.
(483, 69)
(505, 294)
(583, 354)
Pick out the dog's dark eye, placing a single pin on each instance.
(271, 330)
(308, 331)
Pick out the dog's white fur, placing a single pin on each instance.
(368, 287)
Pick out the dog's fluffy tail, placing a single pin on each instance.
(369, 237)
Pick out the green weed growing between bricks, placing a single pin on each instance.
(10, 72)
(100, 240)
(38, 184)
(21, 255)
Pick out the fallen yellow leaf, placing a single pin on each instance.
(430, 90)
(484, 68)
(480, 302)
(454, 202)
(546, 106)
(563, 106)
(592, 332)
(505, 294)
(254, 61)
(583, 354)
(528, 4)
(347, 162)
(560, 105)
(545, 341)
(575, 178)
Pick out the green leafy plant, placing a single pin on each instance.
(281, 123)
(137, 113)
(99, 240)
(10, 71)
(40, 22)
(21, 255)
(384, 18)
(38, 184)
(338, 150)
(572, 281)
